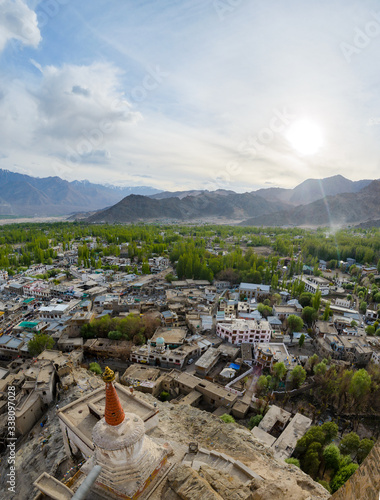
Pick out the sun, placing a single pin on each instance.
(305, 137)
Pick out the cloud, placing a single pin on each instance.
(18, 22)
(74, 101)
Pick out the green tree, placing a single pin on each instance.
(305, 299)
(331, 431)
(365, 447)
(279, 370)
(164, 396)
(342, 476)
(316, 301)
(262, 384)
(311, 461)
(360, 385)
(363, 307)
(327, 312)
(349, 444)
(254, 421)
(309, 315)
(331, 456)
(295, 323)
(297, 376)
(145, 269)
(95, 367)
(320, 369)
(115, 335)
(228, 419)
(39, 343)
(301, 341)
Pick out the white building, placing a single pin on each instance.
(248, 331)
(313, 283)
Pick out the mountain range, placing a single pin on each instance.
(315, 202)
(33, 196)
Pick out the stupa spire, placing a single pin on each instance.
(114, 413)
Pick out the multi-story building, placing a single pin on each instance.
(240, 330)
(251, 290)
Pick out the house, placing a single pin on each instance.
(266, 355)
(240, 330)
(283, 312)
(280, 432)
(251, 290)
(314, 283)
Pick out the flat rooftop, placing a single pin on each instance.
(170, 335)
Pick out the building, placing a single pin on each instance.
(250, 290)
(283, 312)
(314, 283)
(280, 432)
(266, 355)
(173, 337)
(207, 361)
(239, 331)
(162, 356)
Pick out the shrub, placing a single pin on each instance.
(228, 419)
(95, 367)
(254, 421)
(293, 461)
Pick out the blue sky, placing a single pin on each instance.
(234, 94)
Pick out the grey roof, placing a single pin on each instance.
(253, 286)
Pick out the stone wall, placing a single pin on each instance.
(364, 484)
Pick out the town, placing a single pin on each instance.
(250, 325)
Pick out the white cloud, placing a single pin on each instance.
(18, 22)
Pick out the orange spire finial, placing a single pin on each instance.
(114, 413)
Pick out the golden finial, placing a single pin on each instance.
(108, 375)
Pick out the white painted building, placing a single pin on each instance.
(247, 331)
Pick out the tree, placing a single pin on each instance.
(331, 456)
(316, 301)
(254, 421)
(293, 461)
(363, 307)
(311, 461)
(262, 384)
(360, 384)
(145, 269)
(298, 376)
(320, 369)
(295, 323)
(309, 315)
(365, 447)
(331, 431)
(164, 396)
(95, 367)
(39, 343)
(312, 361)
(349, 444)
(305, 299)
(114, 335)
(228, 419)
(342, 476)
(327, 312)
(301, 341)
(279, 370)
(370, 330)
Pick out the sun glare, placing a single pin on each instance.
(305, 137)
